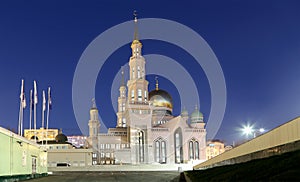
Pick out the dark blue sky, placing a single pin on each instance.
(257, 44)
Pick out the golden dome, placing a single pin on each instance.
(161, 98)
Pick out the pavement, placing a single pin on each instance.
(148, 176)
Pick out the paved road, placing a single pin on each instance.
(160, 176)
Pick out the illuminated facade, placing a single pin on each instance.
(214, 148)
(62, 153)
(41, 134)
(78, 141)
(146, 131)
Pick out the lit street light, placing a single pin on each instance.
(249, 130)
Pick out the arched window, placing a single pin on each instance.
(191, 149)
(124, 122)
(145, 95)
(132, 94)
(163, 152)
(141, 142)
(178, 146)
(139, 95)
(160, 151)
(196, 150)
(139, 73)
(157, 151)
(133, 76)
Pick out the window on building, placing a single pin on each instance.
(133, 76)
(102, 155)
(157, 151)
(124, 122)
(160, 151)
(191, 150)
(163, 152)
(178, 146)
(196, 150)
(139, 72)
(145, 95)
(141, 142)
(139, 95)
(123, 107)
(132, 94)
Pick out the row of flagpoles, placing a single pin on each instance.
(33, 104)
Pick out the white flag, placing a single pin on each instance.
(49, 99)
(44, 101)
(35, 93)
(22, 95)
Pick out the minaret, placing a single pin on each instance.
(94, 125)
(184, 114)
(137, 85)
(156, 85)
(197, 119)
(121, 120)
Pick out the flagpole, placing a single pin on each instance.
(22, 106)
(48, 107)
(34, 121)
(34, 110)
(22, 111)
(43, 109)
(30, 114)
(19, 125)
(43, 115)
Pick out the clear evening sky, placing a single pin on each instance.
(257, 44)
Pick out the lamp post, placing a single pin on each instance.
(249, 130)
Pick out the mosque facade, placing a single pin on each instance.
(146, 131)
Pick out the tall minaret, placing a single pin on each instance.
(94, 125)
(121, 121)
(137, 85)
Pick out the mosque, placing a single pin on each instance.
(146, 131)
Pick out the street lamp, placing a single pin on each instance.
(261, 130)
(249, 130)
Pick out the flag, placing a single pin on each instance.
(49, 99)
(31, 99)
(22, 95)
(35, 101)
(44, 101)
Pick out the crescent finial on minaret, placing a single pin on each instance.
(94, 103)
(156, 79)
(135, 25)
(123, 80)
(135, 15)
